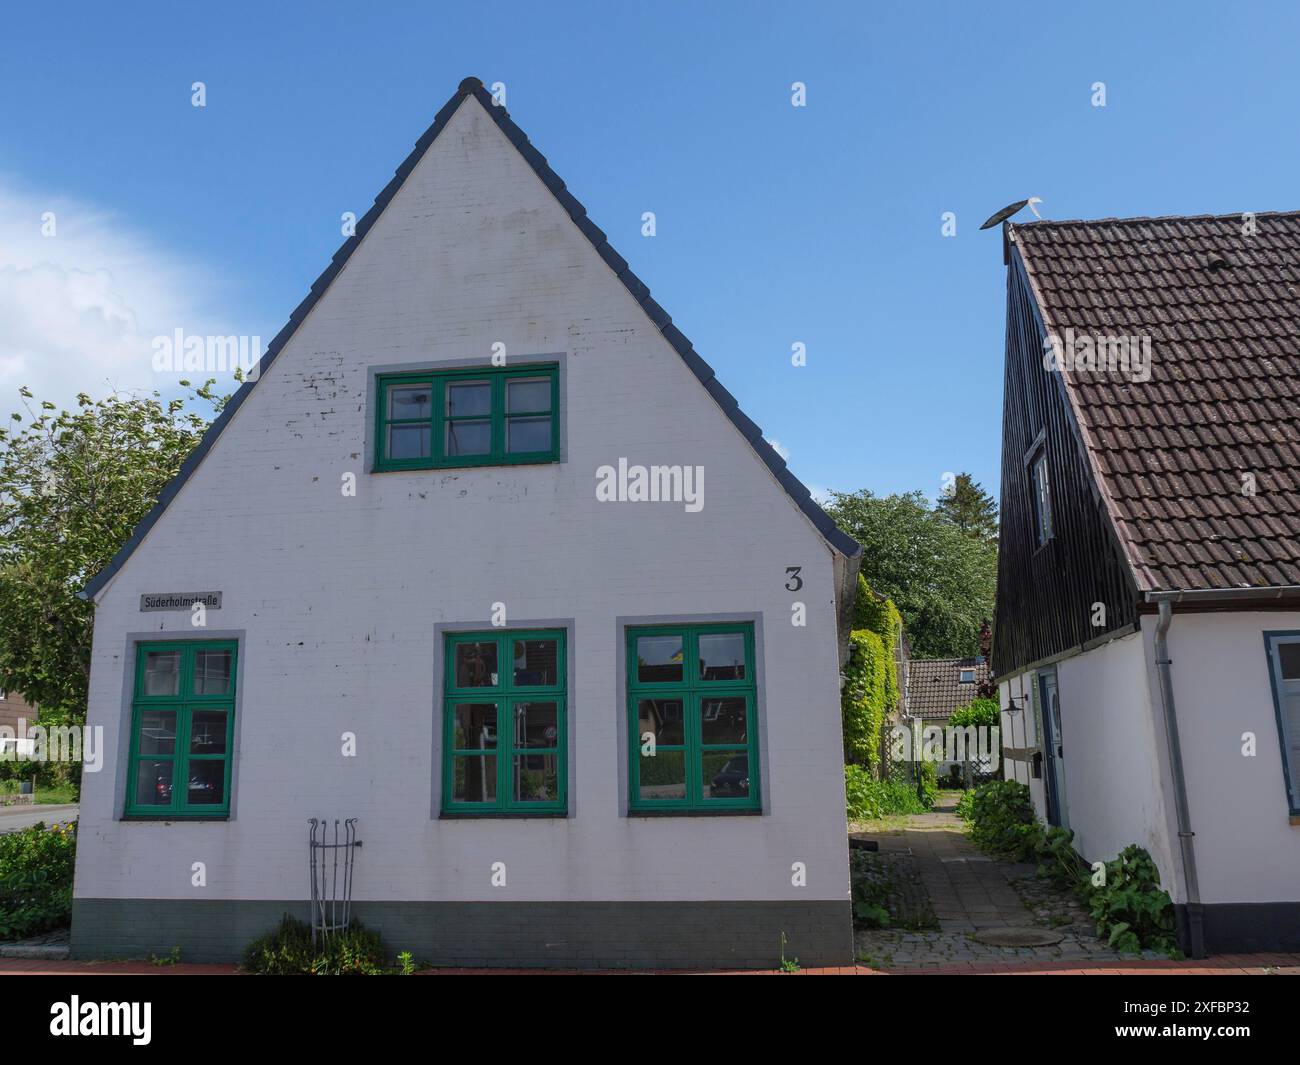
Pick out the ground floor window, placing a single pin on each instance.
(1284, 666)
(504, 729)
(182, 729)
(692, 712)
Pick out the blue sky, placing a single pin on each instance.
(775, 224)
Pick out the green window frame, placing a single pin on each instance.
(693, 730)
(182, 729)
(505, 730)
(451, 419)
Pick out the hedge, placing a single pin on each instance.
(870, 689)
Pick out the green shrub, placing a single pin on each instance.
(1058, 859)
(982, 713)
(869, 799)
(870, 689)
(288, 951)
(36, 867)
(1131, 910)
(965, 806)
(1002, 820)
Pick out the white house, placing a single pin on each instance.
(1147, 639)
(488, 560)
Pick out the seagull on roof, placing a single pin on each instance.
(1011, 209)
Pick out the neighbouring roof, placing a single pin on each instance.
(1172, 455)
(473, 87)
(934, 687)
(13, 707)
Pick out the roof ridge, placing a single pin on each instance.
(473, 87)
(1047, 223)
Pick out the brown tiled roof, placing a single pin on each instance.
(934, 687)
(1222, 310)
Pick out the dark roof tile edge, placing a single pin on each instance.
(800, 495)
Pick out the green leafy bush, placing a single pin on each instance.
(966, 805)
(870, 689)
(289, 951)
(1131, 910)
(1002, 820)
(869, 799)
(982, 713)
(1058, 859)
(36, 867)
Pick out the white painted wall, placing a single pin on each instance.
(1118, 783)
(1114, 756)
(339, 597)
(1246, 848)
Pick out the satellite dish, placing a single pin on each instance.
(1011, 209)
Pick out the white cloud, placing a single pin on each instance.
(79, 310)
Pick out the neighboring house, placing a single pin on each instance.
(575, 731)
(1147, 639)
(17, 716)
(938, 687)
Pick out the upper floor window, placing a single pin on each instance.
(480, 417)
(182, 729)
(1041, 490)
(691, 717)
(966, 676)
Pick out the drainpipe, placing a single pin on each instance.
(1195, 925)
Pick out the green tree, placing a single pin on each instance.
(941, 580)
(73, 486)
(971, 509)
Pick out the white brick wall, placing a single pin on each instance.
(338, 597)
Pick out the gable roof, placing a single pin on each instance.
(934, 688)
(473, 87)
(1170, 455)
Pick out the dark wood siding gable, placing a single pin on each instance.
(1046, 594)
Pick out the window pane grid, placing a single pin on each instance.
(696, 775)
(507, 682)
(181, 747)
(529, 692)
(475, 418)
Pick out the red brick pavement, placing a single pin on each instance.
(1226, 965)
